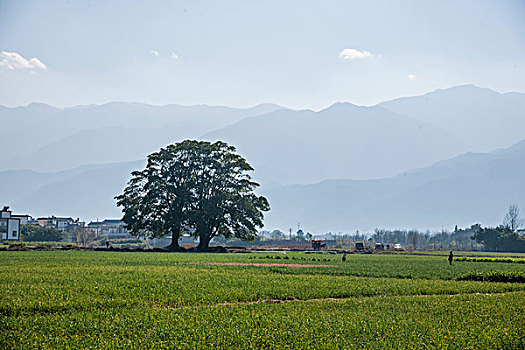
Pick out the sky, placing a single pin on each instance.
(298, 54)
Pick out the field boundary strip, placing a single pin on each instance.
(296, 266)
(333, 299)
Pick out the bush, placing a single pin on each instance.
(123, 243)
(501, 260)
(31, 233)
(494, 276)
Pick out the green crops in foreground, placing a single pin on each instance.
(460, 322)
(145, 300)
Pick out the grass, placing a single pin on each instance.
(82, 299)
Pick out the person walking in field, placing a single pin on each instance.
(344, 256)
(450, 257)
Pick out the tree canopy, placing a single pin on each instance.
(500, 238)
(35, 233)
(201, 187)
(506, 237)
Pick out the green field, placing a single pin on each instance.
(88, 299)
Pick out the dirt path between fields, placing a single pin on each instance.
(295, 266)
(293, 299)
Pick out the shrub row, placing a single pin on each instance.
(494, 276)
(502, 260)
(289, 258)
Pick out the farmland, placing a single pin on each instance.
(82, 299)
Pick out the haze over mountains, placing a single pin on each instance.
(483, 118)
(470, 188)
(40, 137)
(342, 141)
(77, 159)
(85, 192)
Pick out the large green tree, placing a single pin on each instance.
(196, 185)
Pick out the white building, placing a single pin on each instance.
(109, 228)
(9, 226)
(24, 219)
(60, 223)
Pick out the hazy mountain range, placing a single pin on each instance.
(40, 137)
(470, 188)
(342, 141)
(467, 189)
(483, 118)
(85, 192)
(73, 161)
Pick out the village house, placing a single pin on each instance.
(9, 225)
(109, 228)
(60, 223)
(24, 219)
(67, 224)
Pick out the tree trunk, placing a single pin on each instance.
(204, 242)
(174, 245)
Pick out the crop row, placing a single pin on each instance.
(495, 276)
(493, 260)
(46, 289)
(359, 265)
(455, 322)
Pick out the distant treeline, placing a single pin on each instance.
(500, 239)
(496, 239)
(459, 239)
(475, 237)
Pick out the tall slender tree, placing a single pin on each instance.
(512, 218)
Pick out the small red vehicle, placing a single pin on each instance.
(317, 244)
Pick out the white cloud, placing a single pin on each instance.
(353, 54)
(154, 53)
(174, 56)
(13, 60)
(411, 77)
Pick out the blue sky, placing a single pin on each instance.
(300, 54)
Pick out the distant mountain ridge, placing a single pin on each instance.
(483, 118)
(470, 188)
(41, 137)
(86, 192)
(84, 156)
(44, 138)
(342, 141)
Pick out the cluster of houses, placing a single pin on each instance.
(10, 225)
